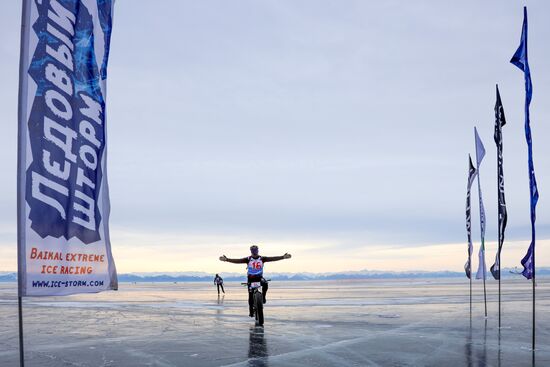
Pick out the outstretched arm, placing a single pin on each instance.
(244, 260)
(276, 258)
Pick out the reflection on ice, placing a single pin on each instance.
(257, 347)
(499, 350)
(219, 310)
(468, 346)
(482, 352)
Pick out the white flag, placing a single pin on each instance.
(480, 153)
(480, 149)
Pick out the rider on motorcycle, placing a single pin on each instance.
(255, 270)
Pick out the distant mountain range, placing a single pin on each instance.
(240, 277)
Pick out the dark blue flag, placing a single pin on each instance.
(500, 121)
(521, 61)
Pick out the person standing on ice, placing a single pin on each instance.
(255, 271)
(218, 280)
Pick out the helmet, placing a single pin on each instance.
(254, 250)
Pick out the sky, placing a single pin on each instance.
(337, 131)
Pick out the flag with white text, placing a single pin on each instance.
(471, 177)
(500, 121)
(63, 196)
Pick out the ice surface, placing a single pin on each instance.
(337, 323)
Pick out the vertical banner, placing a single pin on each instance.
(63, 196)
(500, 121)
(480, 153)
(520, 59)
(471, 177)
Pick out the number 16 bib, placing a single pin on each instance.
(255, 266)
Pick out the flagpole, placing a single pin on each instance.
(485, 294)
(20, 229)
(499, 298)
(21, 352)
(500, 121)
(520, 59)
(499, 267)
(483, 247)
(480, 153)
(470, 294)
(498, 244)
(468, 267)
(533, 341)
(499, 294)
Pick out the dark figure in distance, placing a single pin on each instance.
(218, 280)
(255, 270)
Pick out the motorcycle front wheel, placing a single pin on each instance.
(259, 306)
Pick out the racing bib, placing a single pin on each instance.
(255, 266)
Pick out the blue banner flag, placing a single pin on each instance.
(471, 177)
(63, 196)
(520, 59)
(500, 121)
(480, 153)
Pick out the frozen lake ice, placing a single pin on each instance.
(338, 323)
